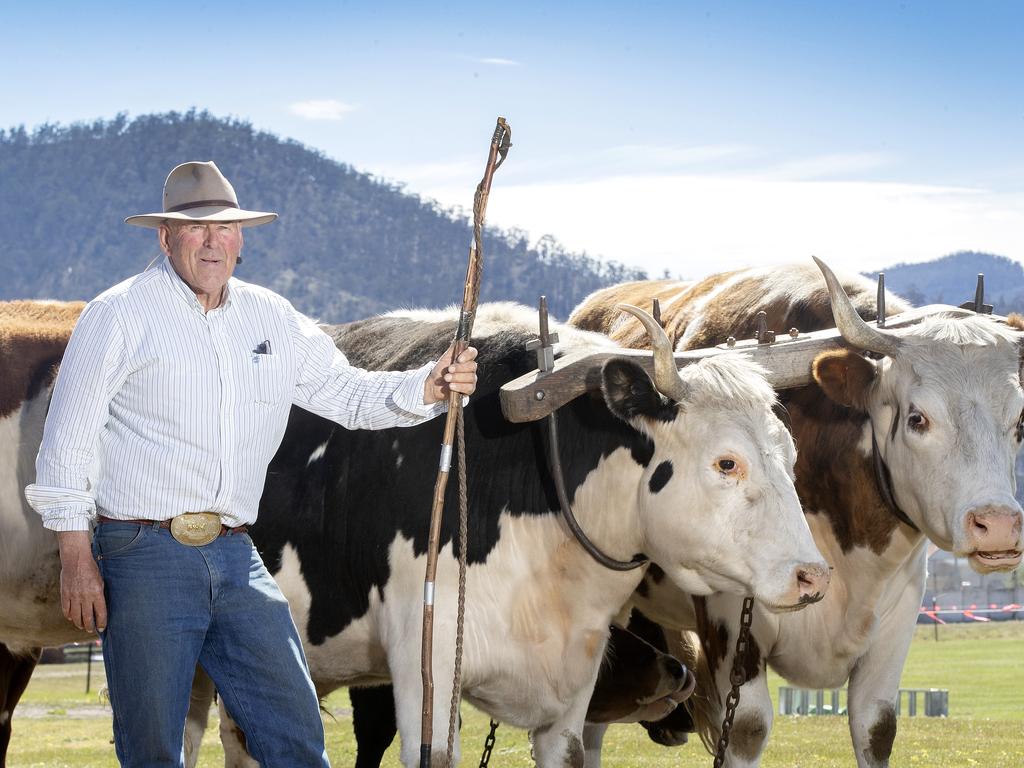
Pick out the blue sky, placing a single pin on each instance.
(679, 136)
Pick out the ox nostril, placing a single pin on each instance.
(993, 528)
(812, 581)
(676, 668)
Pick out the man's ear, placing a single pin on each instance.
(845, 376)
(163, 236)
(630, 393)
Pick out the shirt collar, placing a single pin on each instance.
(182, 288)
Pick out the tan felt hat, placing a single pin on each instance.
(199, 192)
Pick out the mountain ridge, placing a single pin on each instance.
(347, 245)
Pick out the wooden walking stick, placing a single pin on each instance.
(500, 143)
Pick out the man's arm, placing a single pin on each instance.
(92, 370)
(358, 399)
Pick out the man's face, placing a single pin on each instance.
(203, 254)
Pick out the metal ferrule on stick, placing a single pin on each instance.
(500, 143)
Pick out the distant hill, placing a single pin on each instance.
(346, 246)
(952, 280)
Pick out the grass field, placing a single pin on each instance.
(58, 724)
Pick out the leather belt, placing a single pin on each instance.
(192, 528)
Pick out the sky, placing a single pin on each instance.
(681, 137)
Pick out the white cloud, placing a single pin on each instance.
(500, 62)
(654, 156)
(695, 224)
(321, 109)
(833, 165)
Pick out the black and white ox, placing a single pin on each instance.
(939, 404)
(694, 470)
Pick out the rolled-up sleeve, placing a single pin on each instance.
(352, 397)
(90, 374)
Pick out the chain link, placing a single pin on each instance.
(738, 676)
(485, 758)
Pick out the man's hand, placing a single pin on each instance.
(451, 377)
(81, 587)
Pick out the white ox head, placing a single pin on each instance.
(945, 403)
(718, 508)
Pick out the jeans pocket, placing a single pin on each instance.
(113, 539)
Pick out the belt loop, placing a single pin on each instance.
(157, 524)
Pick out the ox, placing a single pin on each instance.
(941, 403)
(692, 482)
(33, 335)
(32, 340)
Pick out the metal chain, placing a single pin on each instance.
(485, 758)
(738, 676)
(460, 621)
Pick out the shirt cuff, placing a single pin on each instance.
(59, 512)
(409, 394)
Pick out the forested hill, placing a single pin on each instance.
(346, 245)
(953, 279)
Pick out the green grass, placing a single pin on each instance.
(980, 664)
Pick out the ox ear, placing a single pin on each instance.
(845, 376)
(630, 393)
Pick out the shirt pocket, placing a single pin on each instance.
(269, 379)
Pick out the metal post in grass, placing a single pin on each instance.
(88, 668)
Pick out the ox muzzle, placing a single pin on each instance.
(993, 537)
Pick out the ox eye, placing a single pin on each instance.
(726, 465)
(917, 421)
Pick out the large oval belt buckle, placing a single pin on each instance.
(195, 529)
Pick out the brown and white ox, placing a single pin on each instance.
(32, 340)
(943, 402)
(33, 336)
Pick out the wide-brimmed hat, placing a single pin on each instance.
(199, 192)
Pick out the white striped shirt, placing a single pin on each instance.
(161, 408)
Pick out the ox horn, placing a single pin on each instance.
(666, 376)
(850, 324)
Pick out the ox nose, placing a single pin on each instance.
(673, 667)
(993, 528)
(812, 580)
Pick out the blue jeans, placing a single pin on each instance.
(170, 606)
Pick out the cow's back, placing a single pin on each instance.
(33, 335)
(707, 312)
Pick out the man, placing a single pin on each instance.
(171, 400)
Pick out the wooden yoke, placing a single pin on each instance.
(787, 360)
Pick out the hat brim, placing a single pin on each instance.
(207, 213)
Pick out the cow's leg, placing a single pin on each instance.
(15, 672)
(593, 739)
(560, 744)
(875, 681)
(373, 721)
(232, 739)
(753, 719)
(752, 723)
(198, 716)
